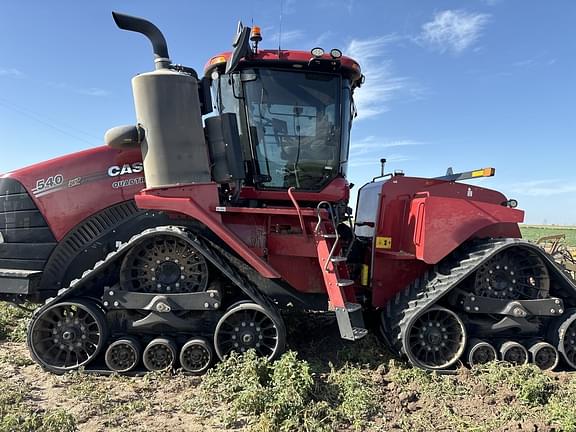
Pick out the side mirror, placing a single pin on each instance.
(124, 137)
(241, 48)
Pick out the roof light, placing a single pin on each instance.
(256, 35)
(335, 53)
(216, 60)
(485, 172)
(317, 52)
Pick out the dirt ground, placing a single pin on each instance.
(497, 398)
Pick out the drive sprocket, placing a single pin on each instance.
(164, 264)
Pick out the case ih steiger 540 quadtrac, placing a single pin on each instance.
(184, 240)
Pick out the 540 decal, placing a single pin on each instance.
(48, 183)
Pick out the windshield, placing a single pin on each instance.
(294, 124)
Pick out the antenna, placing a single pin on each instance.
(280, 27)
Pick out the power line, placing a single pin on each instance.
(64, 129)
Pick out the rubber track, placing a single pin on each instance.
(201, 245)
(410, 303)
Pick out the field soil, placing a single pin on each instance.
(374, 392)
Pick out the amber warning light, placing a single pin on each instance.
(256, 35)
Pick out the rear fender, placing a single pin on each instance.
(441, 224)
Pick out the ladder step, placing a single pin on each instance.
(338, 259)
(329, 236)
(359, 332)
(345, 282)
(353, 307)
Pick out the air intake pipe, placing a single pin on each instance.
(169, 117)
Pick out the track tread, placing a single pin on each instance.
(410, 303)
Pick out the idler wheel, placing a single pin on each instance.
(159, 354)
(249, 326)
(196, 356)
(514, 353)
(123, 355)
(544, 355)
(481, 352)
(436, 339)
(565, 338)
(67, 335)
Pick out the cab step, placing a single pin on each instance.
(351, 321)
(338, 259)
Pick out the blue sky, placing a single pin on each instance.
(465, 84)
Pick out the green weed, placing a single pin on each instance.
(532, 386)
(285, 395)
(16, 415)
(13, 322)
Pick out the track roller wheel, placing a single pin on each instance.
(435, 340)
(196, 356)
(514, 353)
(67, 335)
(481, 352)
(123, 355)
(544, 355)
(248, 326)
(565, 338)
(159, 354)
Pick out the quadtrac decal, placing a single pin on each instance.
(128, 182)
(57, 182)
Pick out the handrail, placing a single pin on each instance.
(337, 238)
(300, 217)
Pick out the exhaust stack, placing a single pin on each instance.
(169, 113)
(153, 33)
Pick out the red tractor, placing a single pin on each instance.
(183, 240)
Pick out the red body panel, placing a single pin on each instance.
(290, 56)
(421, 221)
(76, 186)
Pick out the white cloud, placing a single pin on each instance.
(381, 84)
(375, 160)
(371, 143)
(323, 38)
(11, 72)
(88, 91)
(350, 6)
(92, 91)
(288, 37)
(453, 30)
(368, 151)
(541, 188)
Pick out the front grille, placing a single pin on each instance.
(26, 241)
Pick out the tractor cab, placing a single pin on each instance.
(293, 110)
